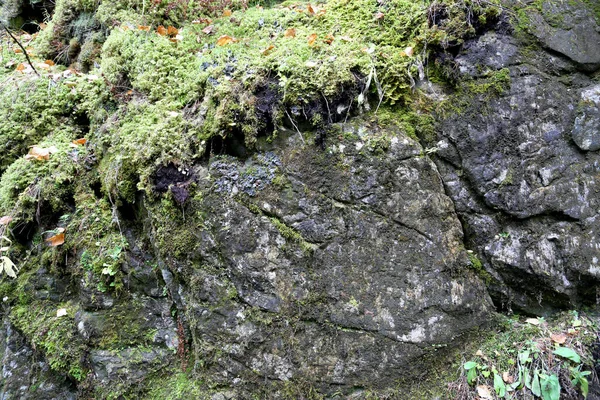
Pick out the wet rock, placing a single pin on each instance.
(570, 29)
(586, 132)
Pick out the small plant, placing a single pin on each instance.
(529, 360)
(6, 264)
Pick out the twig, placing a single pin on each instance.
(295, 126)
(380, 100)
(328, 110)
(22, 48)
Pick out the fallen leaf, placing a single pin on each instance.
(226, 13)
(49, 62)
(329, 39)
(56, 240)
(202, 21)
(18, 50)
(290, 32)
(38, 153)
(533, 321)
(506, 377)
(268, 50)
(479, 353)
(8, 267)
(144, 28)
(409, 51)
(80, 142)
(43, 26)
(7, 219)
(311, 39)
(484, 392)
(379, 16)
(161, 30)
(312, 10)
(225, 40)
(43, 66)
(61, 312)
(21, 67)
(559, 338)
(172, 31)
(208, 30)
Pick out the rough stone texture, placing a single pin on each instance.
(25, 374)
(374, 274)
(568, 28)
(527, 195)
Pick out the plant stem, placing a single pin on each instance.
(22, 48)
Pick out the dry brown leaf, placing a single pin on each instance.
(172, 31)
(268, 50)
(38, 153)
(225, 40)
(311, 10)
(56, 240)
(290, 32)
(202, 21)
(559, 338)
(226, 13)
(18, 50)
(507, 378)
(484, 391)
(208, 30)
(21, 67)
(329, 39)
(144, 28)
(311, 39)
(43, 26)
(161, 30)
(7, 219)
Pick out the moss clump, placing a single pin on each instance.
(178, 385)
(55, 336)
(31, 109)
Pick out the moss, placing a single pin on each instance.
(177, 385)
(56, 337)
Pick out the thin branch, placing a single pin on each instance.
(295, 126)
(22, 48)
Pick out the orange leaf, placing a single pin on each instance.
(144, 28)
(172, 31)
(329, 39)
(18, 51)
(291, 32)
(268, 50)
(311, 39)
(21, 67)
(226, 13)
(208, 30)
(311, 10)
(49, 62)
(80, 142)
(559, 338)
(225, 40)
(7, 219)
(56, 240)
(161, 30)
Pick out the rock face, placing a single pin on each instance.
(334, 262)
(523, 169)
(343, 273)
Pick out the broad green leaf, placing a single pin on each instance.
(550, 388)
(536, 389)
(584, 386)
(470, 365)
(486, 374)
(568, 354)
(471, 376)
(499, 385)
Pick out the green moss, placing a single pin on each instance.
(176, 386)
(56, 337)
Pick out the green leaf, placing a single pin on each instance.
(486, 374)
(536, 389)
(471, 376)
(551, 388)
(568, 354)
(470, 365)
(583, 382)
(499, 385)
